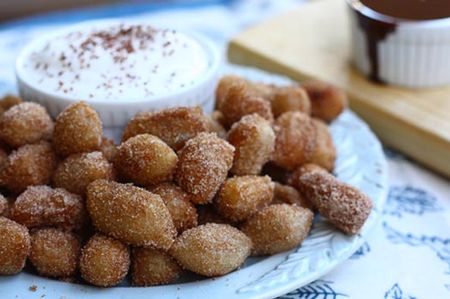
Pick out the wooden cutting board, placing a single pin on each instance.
(313, 41)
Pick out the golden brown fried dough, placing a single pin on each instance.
(145, 160)
(289, 195)
(54, 253)
(77, 171)
(24, 124)
(31, 164)
(239, 102)
(153, 267)
(224, 85)
(14, 246)
(290, 98)
(183, 212)
(327, 101)
(216, 119)
(40, 206)
(174, 126)
(130, 214)
(3, 204)
(211, 249)
(254, 141)
(343, 205)
(242, 196)
(104, 261)
(324, 153)
(203, 166)
(295, 140)
(278, 228)
(108, 148)
(78, 129)
(9, 101)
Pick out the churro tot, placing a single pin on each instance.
(203, 166)
(211, 249)
(278, 228)
(343, 205)
(224, 86)
(14, 246)
(242, 196)
(108, 148)
(174, 125)
(289, 98)
(327, 101)
(30, 164)
(151, 266)
(145, 160)
(40, 206)
(289, 195)
(54, 253)
(254, 141)
(324, 153)
(216, 119)
(24, 124)
(78, 129)
(104, 261)
(9, 101)
(295, 140)
(130, 214)
(77, 171)
(183, 212)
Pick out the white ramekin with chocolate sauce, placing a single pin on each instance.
(405, 43)
(120, 68)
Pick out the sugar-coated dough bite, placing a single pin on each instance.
(278, 228)
(108, 148)
(40, 206)
(295, 140)
(211, 249)
(78, 129)
(224, 86)
(25, 123)
(54, 253)
(14, 246)
(289, 195)
(151, 266)
(289, 98)
(327, 101)
(145, 160)
(203, 166)
(217, 121)
(77, 171)
(174, 125)
(254, 141)
(324, 153)
(242, 196)
(9, 101)
(130, 214)
(343, 205)
(104, 261)
(3, 204)
(183, 212)
(30, 164)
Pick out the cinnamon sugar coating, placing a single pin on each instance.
(289, 195)
(14, 246)
(289, 98)
(324, 153)
(327, 101)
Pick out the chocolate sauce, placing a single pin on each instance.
(411, 9)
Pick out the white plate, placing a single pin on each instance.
(360, 162)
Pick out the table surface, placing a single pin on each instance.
(407, 255)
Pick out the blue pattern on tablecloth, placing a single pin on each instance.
(408, 254)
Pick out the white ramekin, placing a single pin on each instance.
(118, 113)
(415, 54)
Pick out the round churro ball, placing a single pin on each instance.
(130, 214)
(278, 228)
(78, 129)
(104, 261)
(211, 249)
(203, 166)
(108, 148)
(54, 253)
(25, 123)
(290, 195)
(40, 206)
(254, 141)
(9, 101)
(242, 196)
(327, 101)
(295, 140)
(174, 125)
(290, 98)
(151, 266)
(224, 86)
(14, 246)
(324, 153)
(183, 212)
(30, 164)
(77, 171)
(145, 160)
